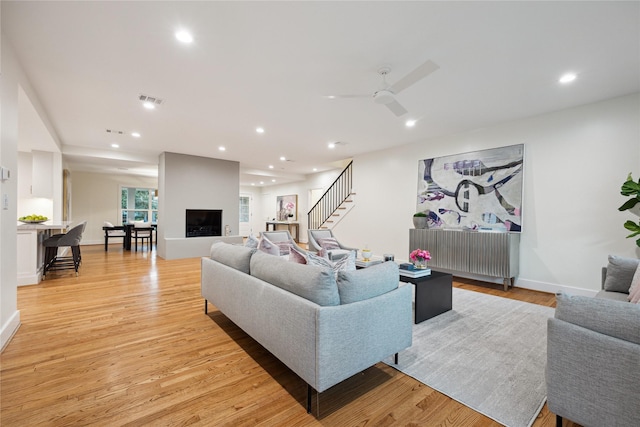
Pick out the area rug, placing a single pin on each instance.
(488, 353)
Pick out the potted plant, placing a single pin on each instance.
(631, 188)
(420, 220)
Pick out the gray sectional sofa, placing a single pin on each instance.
(593, 353)
(324, 327)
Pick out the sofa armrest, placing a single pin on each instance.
(592, 378)
(609, 317)
(353, 337)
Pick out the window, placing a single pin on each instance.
(139, 204)
(244, 209)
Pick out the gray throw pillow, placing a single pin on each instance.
(314, 283)
(358, 285)
(233, 256)
(620, 272)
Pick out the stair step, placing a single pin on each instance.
(328, 220)
(335, 214)
(342, 207)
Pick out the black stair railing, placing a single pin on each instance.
(331, 200)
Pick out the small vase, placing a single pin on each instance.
(420, 264)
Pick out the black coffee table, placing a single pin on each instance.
(433, 294)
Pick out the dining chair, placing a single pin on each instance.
(111, 231)
(144, 231)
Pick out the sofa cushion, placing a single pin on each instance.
(634, 290)
(368, 282)
(614, 318)
(615, 296)
(620, 271)
(314, 283)
(233, 256)
(267, 246)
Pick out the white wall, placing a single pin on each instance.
(95, 197)
(575, 162)
(193, 182)
(269, 195)
(13, 80)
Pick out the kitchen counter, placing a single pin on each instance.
(47, 225)
(31, 250)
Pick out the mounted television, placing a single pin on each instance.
(203, 222)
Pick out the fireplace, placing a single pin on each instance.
(203, 222)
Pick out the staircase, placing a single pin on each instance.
(335, 203)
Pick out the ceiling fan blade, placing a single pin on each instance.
(415, 76)
(346, 96)
(396, 108)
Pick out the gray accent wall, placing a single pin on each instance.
(193, 182)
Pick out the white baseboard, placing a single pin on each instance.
(9, 329)
(553, 288)
(533, 285)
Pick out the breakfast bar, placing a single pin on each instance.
(30, 254)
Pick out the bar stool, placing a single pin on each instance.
(71, 239)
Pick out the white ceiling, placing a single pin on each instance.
(270, 63)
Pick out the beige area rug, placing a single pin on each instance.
(488, 353)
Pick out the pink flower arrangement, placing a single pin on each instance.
(420, 255)
(289, 206)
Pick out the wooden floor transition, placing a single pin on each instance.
(127, 343)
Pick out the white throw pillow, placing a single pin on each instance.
(267, 246)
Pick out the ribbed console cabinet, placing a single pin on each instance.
(488, 254)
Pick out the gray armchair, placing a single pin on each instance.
(314, 244)
(593, 361)
(281, 236)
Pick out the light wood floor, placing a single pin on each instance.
(127, 343)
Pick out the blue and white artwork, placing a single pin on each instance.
(480, 190)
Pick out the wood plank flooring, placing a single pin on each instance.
(127, 343)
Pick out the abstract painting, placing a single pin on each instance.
(287, 208)
(479, 190)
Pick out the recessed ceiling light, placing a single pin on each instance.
(331, 96)
(261, 182)
(410, 123)
(283, 158)
(567, 78)
(331, 145)
(149, 105)
(114, 146)
(260, 130)
(184, 36)
(273, 180)
(270, 166)
(315, 169)
(221, 148)
(253, 183)
(135, 134)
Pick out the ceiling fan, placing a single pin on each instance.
(386, 95)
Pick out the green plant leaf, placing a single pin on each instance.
(629, 204)
(630, 188)
(638, 242)
(632, 226)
